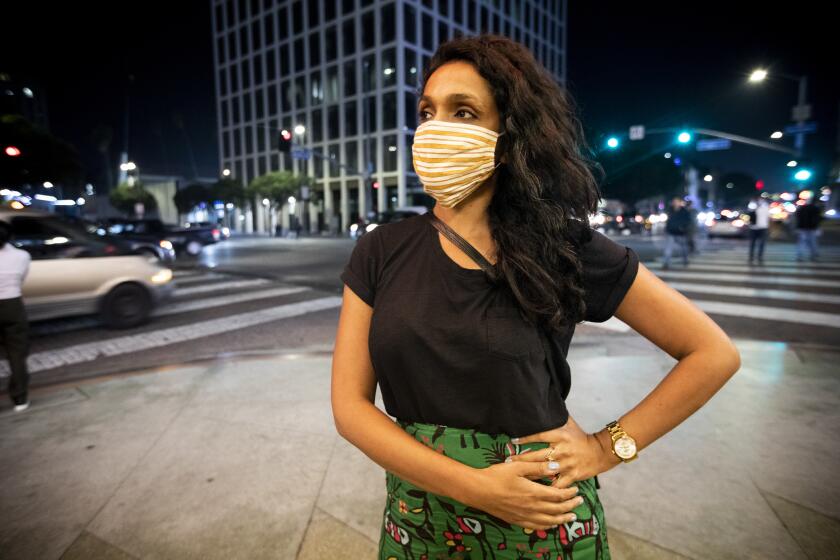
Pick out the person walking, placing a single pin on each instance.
(463, 315)
(759, 224)
(676, 231)
(808, 218)
(691, 231)
(14, 326)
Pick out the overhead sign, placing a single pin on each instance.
(711, 145)
(804, 128)
(637, 132)
(801, 113)
(301, 153)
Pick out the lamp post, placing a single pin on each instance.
(801, 112)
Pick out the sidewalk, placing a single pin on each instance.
(239, 458)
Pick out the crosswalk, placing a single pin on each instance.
(205, 303)
(802, 297)
(781, 293)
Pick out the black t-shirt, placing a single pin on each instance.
(448, 348)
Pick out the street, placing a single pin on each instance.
(274, 294)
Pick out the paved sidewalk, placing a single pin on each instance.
(239, 458)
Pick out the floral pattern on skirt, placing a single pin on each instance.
(421, 525)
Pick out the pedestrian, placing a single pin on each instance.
(677, 226)
(463, 315)
(759, 224)
(14, 326)
(691, 233)
(808, 218)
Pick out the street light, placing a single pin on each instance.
(776, 135)
(758, 75)
(48, 185)
(300, 129)
(667, 155)
(12, 151)
(802, 175)
(226, 172)
(684, 137)
(128, 166)
(708, 178)
(792, 163)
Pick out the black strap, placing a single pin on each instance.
(463, 244)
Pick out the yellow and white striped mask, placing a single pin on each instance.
(453, 159)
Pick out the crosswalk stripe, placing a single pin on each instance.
(768, 313)
(218, 286)
(706, 259)
(757, 269)
(746, 278)
(747, 292)
(90, 351)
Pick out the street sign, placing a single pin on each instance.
(301, 153)
(711, 145)
(804, 128)
(637, 132)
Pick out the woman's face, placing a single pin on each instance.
(457, 93)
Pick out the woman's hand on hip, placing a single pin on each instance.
(505, 490)
(578, 455)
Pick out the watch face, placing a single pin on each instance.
(625, 447)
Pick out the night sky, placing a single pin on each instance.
(657, 64)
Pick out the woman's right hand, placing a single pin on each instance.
(506, 491)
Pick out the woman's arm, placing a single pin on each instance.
(504, 490)
(707, 359)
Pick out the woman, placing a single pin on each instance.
(484, 460)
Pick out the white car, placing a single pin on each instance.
(75, 273)
(730, 224)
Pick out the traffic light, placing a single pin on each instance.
(375, 184)
(612, 143)
(759, 185)
(803, 175)
(684, 137)
(12, 151)
(284, 141)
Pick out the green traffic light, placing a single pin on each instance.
(612, 143)
(684, 137)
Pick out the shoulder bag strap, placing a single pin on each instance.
(463, 244)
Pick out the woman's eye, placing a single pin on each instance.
(421, 113)
(464, 111)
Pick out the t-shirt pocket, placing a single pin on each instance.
(509, 336)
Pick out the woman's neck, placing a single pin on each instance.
(470, 217)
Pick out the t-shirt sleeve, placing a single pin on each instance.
(362, 270)
(609, 269)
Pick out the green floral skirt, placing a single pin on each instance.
(421, 525)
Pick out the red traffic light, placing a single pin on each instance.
(759, 184)
(12, 151)
(376, 184)
(286, 135)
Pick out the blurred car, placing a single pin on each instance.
(74, 272)
(387, 217)
(142, 242)
(727, 223)
(618, 224)
(219, 231)
(188, 241)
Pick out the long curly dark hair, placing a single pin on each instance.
(539, 215)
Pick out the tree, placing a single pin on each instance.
(191, 196)
(228, 190)
(125, 196)
(277, 186)
(635, 173)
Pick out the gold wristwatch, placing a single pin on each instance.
(623, 446)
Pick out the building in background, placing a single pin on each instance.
(342, 75)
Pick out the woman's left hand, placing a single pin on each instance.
(578, 453)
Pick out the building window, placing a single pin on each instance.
(300, 59)
(258, 74)
(246, 74)
(333, 92)
(350, 126)
(329, 10)
(259, 101)
(231, 16)
(410, 24)
(236, 115)
(389, 67)
(388, 24)
(349, 31)
(314, 15)
(351, 157)
(300, 93)
(316, 88)
(389, 153)
(243, 40)
(272, 100)
(350, 78)
(246, 106)
(409, 154)
(223, 85)
(368, 30)
(317, 125)
(297, 18)
(256, 36)
(348, 6)
(332, 122)
(330, 44)
(370, 114)
(231, 39)
(287, 92)
(269, 31)
(443, 32)
(220, 50)
(315, 49)
(225, 115)
(369, 72)
(410, 73)
(270, 66)
(428, 32)
(389, 110)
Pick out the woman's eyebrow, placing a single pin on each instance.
(453, 98)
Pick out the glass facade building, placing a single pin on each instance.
(348, 71)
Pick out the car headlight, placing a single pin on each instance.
(162, 277)
(166, 245)
(370, 227)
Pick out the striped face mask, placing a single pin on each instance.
(453, 159)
